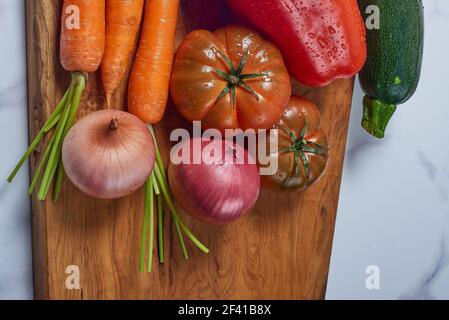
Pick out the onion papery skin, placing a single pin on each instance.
(219, 192)
(108, 154)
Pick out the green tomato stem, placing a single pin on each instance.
(235, 78)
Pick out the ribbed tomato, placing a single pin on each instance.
(303, 147)
(231, 78)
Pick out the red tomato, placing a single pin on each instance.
(303, 148)
(229, 79)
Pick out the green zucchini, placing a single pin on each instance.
(393, 67)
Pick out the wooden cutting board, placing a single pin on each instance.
(281, 250)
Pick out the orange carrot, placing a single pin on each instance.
(81, 50)
(150, 76)
(82, 35)
(123, 19)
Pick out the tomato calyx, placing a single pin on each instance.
(235, 78)
(300, 146)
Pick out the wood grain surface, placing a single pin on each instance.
(281, 250)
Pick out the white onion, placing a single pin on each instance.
(108, 154)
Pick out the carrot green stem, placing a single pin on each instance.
(160, 185)
(185, 254)
(47, 127)
(68, 117)
(175, 221)
(160, 228)
(151, 236)
(163, 186)
(54, 157)
(79, 89)
(52, 124)
(58, 182)
(159, 161)
(160, 209)
(146, 213)
(155, 186)
(49, 148)
(42, 162)
(80, 80)
(160, 166)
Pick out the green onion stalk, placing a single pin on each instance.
(58, 125)
(156, 193)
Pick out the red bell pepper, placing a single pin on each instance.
(321, 40)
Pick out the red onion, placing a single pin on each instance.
(217, 191)
(108, 154)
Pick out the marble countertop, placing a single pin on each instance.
(393, 217)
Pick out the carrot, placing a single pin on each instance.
(81, 50)
(123, 19)
(150, 76)
(82, 47)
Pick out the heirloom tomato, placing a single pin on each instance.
(303, 149)
(231, 78)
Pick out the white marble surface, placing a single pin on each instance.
(15, 243)
(394, 204)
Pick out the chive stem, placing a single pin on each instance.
(47, 127)
(159, 164)
(146, 212)
(176, 217)
(185, 254)
(52, 124)
(54, 157)
(163, 186)
(159, 186)
(42, 162)
(160, 228)
(58, 182)
(151, 233)
(77, 88)
(155, 186)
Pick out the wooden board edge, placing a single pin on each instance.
(341, 169)
(38, 212)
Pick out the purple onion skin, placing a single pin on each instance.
(217, 193)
